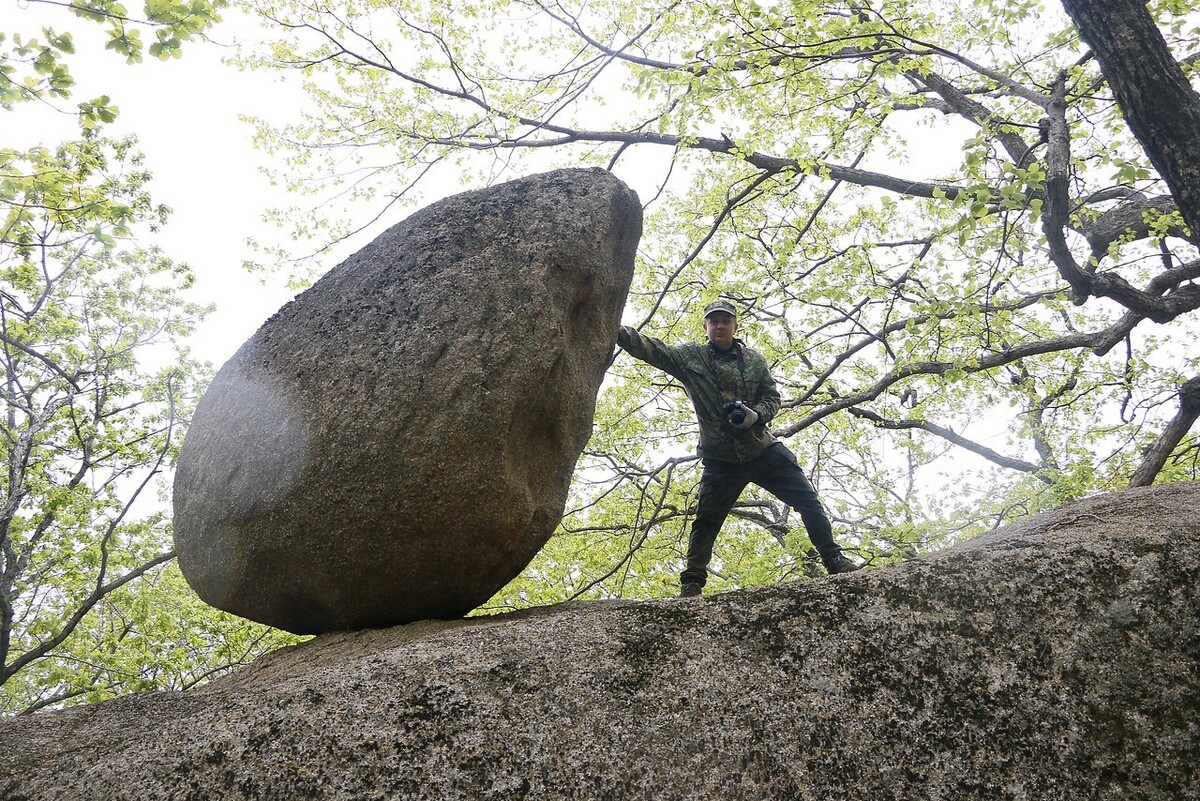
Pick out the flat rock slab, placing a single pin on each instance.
(396, 443)
(1056, 659)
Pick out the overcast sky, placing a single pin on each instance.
(185, 115)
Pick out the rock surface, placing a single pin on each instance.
(1054, 659)
(396, 443)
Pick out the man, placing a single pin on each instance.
(734, 396)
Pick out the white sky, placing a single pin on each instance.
(185, 115)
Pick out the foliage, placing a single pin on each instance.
(97, 389)
(965, 272)
(37, 68)
(97, 386)
(152, 634)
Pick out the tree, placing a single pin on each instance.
(1137, 63)
(97, 389)
(96, 386)
(83, 435)
(966, 272)
(33, 68)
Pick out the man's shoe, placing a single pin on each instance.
(838, 563)
(689, 590)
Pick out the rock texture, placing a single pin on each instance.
(1054, 659)
(396, 443)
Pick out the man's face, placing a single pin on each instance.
(720, 327)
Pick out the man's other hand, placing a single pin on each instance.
(751, 417)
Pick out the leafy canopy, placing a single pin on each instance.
(971, 284)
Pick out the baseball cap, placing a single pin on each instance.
(721, 305)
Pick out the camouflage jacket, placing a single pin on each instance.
(712, 378)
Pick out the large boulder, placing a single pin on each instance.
(1058, 658)
(396, 443)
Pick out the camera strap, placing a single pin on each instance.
(741, 362)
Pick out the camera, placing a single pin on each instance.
(735, 412)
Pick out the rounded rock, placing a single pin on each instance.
(397, 442)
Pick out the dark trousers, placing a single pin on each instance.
(721, 485)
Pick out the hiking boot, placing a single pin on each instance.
(838, 563)
(690, 590)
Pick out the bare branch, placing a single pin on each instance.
(957, 439)
(1100, 342)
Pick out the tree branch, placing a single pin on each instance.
(1099, 342)
(1154, 95)
(1157, 454)
(872, 337)
(54, 367)
(46, 646)
(1085, 284)
(956, 439)
(976, 112)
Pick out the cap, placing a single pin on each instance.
(720, 306)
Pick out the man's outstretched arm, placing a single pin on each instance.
(650, 350)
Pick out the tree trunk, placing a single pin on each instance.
(1159, 104)
(1176, 430)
